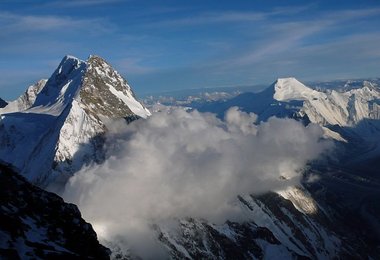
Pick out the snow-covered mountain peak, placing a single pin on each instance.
(59, 127)
(331, 107)
(370, 85)
(291, 89)
(94, 84)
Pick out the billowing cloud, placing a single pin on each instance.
(180, 164)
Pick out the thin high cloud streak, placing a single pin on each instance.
(35, 37)
(205, 18)
(185, 49)
(281, 42)
(178, 164)
(15, 23)
(82, 3)
(290, 35)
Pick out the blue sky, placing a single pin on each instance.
(171, 45)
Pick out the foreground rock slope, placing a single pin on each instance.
(35, 224)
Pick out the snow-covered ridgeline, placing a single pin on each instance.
(331, 107)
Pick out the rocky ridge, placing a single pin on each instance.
(35, 224)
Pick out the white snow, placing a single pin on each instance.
(291, 89)
(132, 103)
(26, 100)
(300, 199)
(327, 133)
(329, 108)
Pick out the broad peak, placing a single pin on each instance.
(291, 89)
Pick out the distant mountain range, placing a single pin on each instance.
(348, 184)
(58, 126)
(331, 109)
(195, 96)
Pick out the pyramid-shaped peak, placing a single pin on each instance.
(92, 60)
(291, 89)
(93, 84)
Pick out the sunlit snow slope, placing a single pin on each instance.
(331, 107)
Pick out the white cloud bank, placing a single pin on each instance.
(178, 164)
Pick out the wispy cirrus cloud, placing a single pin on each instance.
(31, 40)
(281, 38)
(183, 45)
(134, 65)
(212, 18)
(325, 45)
(12, 22)
(233, 16)
(348, 14)
(82, 3)
(48, 34)
(267, 37)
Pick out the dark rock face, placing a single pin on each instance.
(39, 224)
(3, 103)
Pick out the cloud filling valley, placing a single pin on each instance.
(179, 164)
